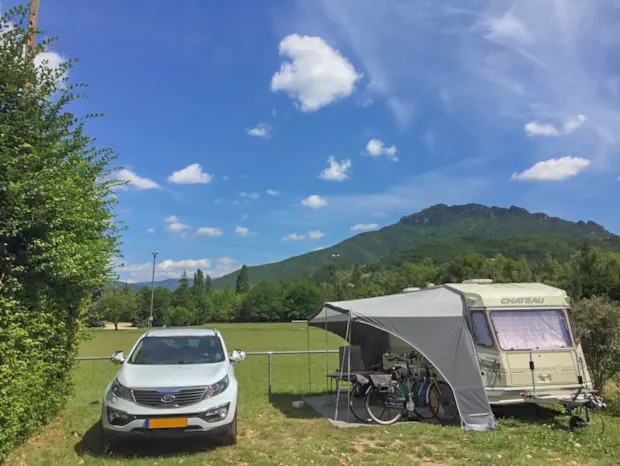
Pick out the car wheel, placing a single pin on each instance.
(230, 436)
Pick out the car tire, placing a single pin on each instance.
(230, 435)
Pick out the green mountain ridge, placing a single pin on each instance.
(434, 224)
(441, 233)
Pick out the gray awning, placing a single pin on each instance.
(433, 322)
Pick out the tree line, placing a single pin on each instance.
(589, 272)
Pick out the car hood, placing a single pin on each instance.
(171, 375)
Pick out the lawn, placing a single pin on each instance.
(272, 433)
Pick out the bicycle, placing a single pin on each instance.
(390, 396)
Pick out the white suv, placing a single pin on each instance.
(174, 382)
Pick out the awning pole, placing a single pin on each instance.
(326, 361)
(309, 383)
(347, 336)
(349, 373)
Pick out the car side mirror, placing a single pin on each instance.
(237, 356)
(118, 357)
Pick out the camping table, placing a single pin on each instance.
(336, 376)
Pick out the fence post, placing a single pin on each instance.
(269, 363)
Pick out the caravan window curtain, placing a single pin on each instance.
(527, 330)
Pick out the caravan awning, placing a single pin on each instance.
(433, 322)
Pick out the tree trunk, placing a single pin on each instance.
(115, 325)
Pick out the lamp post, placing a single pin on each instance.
(152, 289)
(334, 277)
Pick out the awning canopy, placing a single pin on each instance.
(433, 322)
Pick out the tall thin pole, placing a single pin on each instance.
(152, 289)
(33, 20)
(334, 277)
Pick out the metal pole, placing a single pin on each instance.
(33, 19)
(327, 361)
(349, 372)
(309, 378)
(269, 363)
(346, 337)
(152, 289)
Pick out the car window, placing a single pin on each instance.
(178, 350)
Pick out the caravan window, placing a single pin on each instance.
(525, 330)
(482, 332)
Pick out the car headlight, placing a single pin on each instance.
(121, 391)
(118, 418)
(216, 388)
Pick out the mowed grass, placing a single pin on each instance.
(271, 432)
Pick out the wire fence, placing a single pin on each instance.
(269, 354)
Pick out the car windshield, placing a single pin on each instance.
(178, 350)
(531, 329)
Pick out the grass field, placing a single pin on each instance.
(272, 433)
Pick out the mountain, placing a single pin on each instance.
(170, 283)
(432, 230)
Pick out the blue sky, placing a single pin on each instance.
(254, 131)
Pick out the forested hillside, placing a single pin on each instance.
(434, 230)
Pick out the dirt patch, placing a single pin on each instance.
(121, 326)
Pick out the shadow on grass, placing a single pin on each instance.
(534, 414)
(91, 444)
(284, 403)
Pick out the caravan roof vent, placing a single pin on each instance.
(411, 289)
(479, 281)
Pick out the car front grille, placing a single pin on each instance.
(169, 398)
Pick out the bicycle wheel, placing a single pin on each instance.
(422, 410)
(385, 407)
(441, 402)
(357, 404)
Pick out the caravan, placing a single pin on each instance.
(525, 341)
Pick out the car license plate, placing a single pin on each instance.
(166, 423)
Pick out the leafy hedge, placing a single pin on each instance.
(57, 232)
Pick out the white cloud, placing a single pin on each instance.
(151, 230)
(314, 202)
(320, 248)
(376, 148)
(243, 231)
(173, 269)
(507, 28)
(336, 171)
(294, 237)
(534, 128)
(315, 234)
(261, 130)
(553, 169)
(225, 178)
(364, 227)
(249, 195)
(271, 192)
(316, 74)
(192, 174)
(52, 61)
(572, 123)
(171, 219)
(177, 227)
(209, 231)
(217, 201)
(134, 180)
(245, 217)
(365, 101)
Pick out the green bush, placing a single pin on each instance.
(57, 234)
